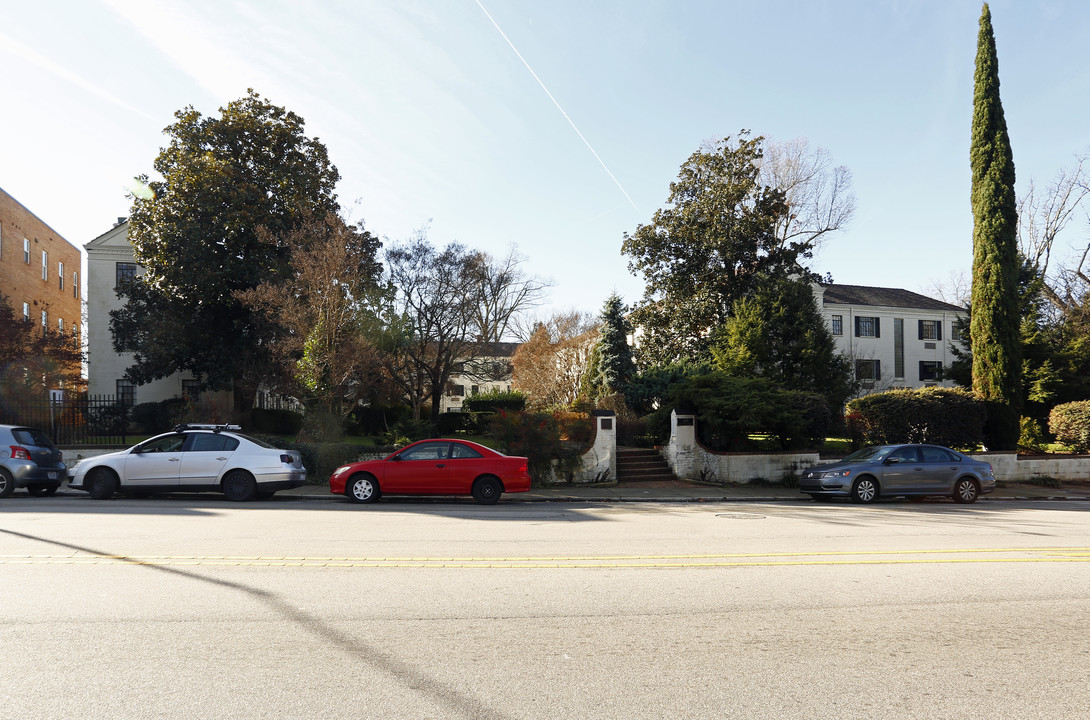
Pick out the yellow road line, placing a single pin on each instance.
(893, 557)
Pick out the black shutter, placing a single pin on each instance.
(938, 329)
(857, 326)
(921, 332)
(877, 328)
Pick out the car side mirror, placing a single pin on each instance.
(892, 460)
(396, 458)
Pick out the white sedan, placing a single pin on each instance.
(192, 458)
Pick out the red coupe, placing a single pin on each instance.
(434, 467)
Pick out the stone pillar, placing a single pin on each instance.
(600, 462)
(682, 452)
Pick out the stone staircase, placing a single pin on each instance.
(640, 465)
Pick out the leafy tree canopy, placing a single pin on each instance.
(34, 360)
(196, 233)
(706, 249)
(778, 333)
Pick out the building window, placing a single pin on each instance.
(930, 330)
(26, 251)
(898, 347)
(930, 371)
(838, 324)
(26, 312)
(456, 390)
(75, 330)
(60, 325)
(868, 371)
(476, 389)
(75, 284)
(45, 265)
(191, 389)
(126, 273)
(126, 392)
(60, 274)
(955, 330)
(867, 327)
(45, 319)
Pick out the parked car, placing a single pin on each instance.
(28, 458)
(905, 470)
(192, 458)
(434, 467)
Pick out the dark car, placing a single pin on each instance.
(28, 458)
(434, 467)
(900, 470)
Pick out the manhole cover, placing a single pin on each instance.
(740, 516)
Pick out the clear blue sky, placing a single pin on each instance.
(432, 118)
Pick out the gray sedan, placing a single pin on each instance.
(892, 470)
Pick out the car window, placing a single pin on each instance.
(867, 453)
(458, 450)
(211, 442)
(425, 451)
(937, 454)
(169, 443)
(904, 454)
(31, 436)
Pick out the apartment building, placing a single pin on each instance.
(39, 270)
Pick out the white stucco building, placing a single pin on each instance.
(895, 338)
(110, 259)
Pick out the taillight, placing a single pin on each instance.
(285, 458)
(524, 467)
(19, 453)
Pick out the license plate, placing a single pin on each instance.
(52, 476)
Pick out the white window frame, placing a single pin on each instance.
(45, 265)
(26, 250)
(60, 274)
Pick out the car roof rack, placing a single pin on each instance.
(206, 426)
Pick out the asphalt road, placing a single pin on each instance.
(198, 608)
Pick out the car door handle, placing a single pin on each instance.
(174, 459)
(440, 465)
(221, 459)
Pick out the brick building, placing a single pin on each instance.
(39, 269)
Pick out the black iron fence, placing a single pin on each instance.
(73, 419)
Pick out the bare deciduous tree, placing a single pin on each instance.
(505, 293)
(550, 365)
(1043, 215)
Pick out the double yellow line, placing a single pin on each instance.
(872, 557)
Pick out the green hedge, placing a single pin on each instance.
(495, 401)
(1070, 423)
(730, 409)
(940, 416)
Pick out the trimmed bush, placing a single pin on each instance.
(537, 437)
(495, 401)
(276, 422)
(153, 418)
(730, 409)
(1070, 423)
(941, 416)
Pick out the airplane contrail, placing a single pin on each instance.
(570, 122)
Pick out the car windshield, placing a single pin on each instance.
(867, 453)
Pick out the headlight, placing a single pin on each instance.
(836, 473)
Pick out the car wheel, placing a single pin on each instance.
(966, 491)
(41, 490)
(7, 483)
(239, 486)
(362, 488)
(101, 483)
(865, 490)
(487, 490)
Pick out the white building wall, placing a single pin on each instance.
(105, 366)
(882, 348)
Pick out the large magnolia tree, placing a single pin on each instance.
(217, 220)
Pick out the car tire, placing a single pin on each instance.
(265, 494)
(487, 490)
(865, 490)
(7, 483)
(966, 491)
(362, 488)
(101, 484)
(41, 490)
(239, 486)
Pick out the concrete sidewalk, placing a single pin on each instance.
(691, 492)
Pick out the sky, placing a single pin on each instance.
(555, 126)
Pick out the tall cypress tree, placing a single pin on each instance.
(994, 328)
(615, 365)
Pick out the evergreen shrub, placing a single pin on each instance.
(1070, 423)
(940, 416)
